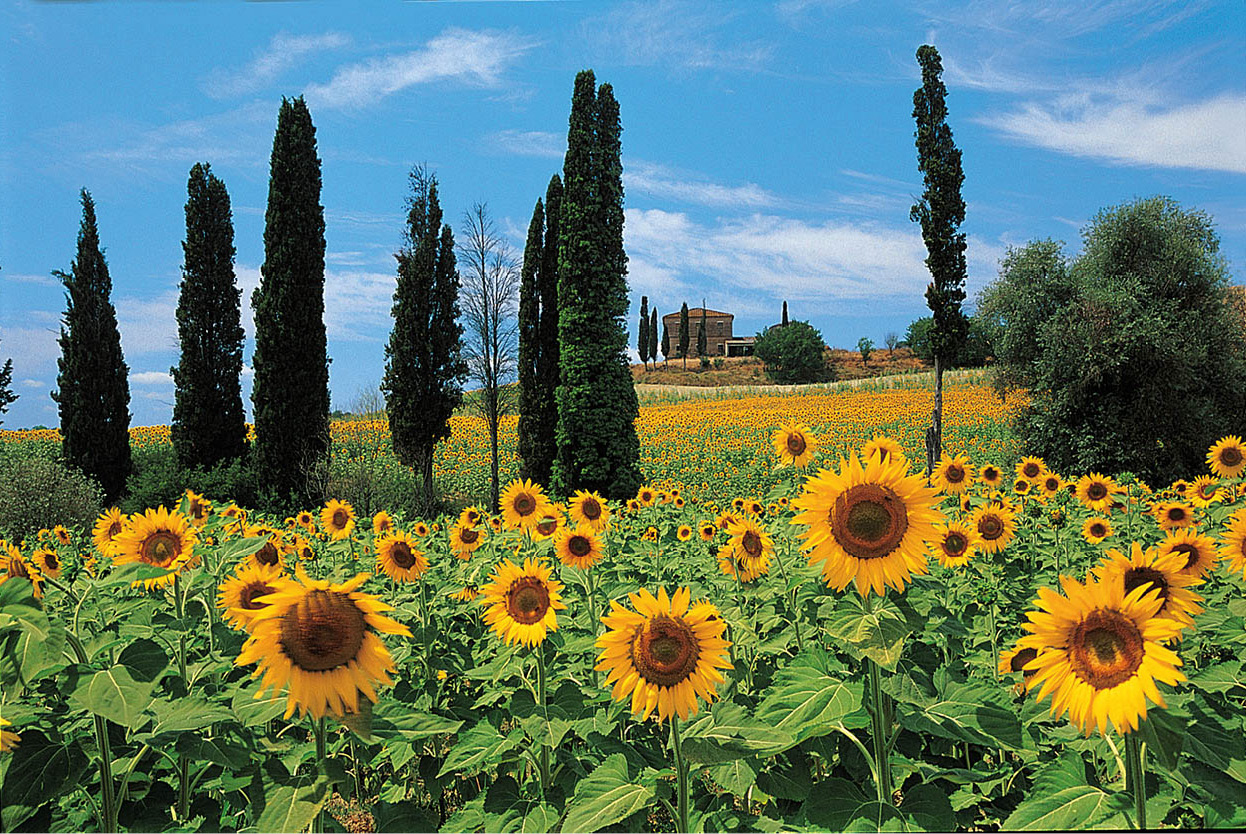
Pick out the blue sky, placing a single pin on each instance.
(768, 148)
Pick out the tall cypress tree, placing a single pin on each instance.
(529, 337)
(940, 210)
(424, 367)
(597, 444)
(683, 334)
(7, 397)
(784, 322)
(702, 333)
(653, 336)
(209, 424)
(290, 392)
(544, 440)
(666, 343)
(93, 388)
(642, 330)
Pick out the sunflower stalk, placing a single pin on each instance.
(800, 646)
(322, 762)
(540, 685)
(1135, 777)
(108, 798)
(880, 721)
(681, 776)
(183, 760)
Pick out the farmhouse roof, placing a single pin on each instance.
(696, 311)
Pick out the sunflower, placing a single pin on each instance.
(1227, 457)
(62, 535)
(1031, 468)
(1100, 651)
(650, 534)
(319, 640)
(664, 655)
(306, 520)
(753, 507)
(1180, 486)
(724, 520)
(466, 594)
(302, 548)
(795, 444)
(579, 548)
(737, 504)
(198, 510)
(398, 557)
(706, 530)
(470, 517)
(496, 524)
(522, 602)
(1205, 491)
(107, 526)
(1142, 567)
(1234, 547)
(382, 523)
(1173, 515)
(953, 475)
(955, 544)
(523, 505)
(684, 533)
(1050, 485)
(632, 505)
(748, 551)
(465, 540)
(646, 496)
(238, 595)
(1012, 661)
(870, 523)
(47, 561)
(995, 527)
(15, 566)
(678, 502)
(338, 519)
(1021, 486)
(552, 520)
(884, 447)
(1096, 529)
(8, 739)
(1197, 552)
(991, 476)
(1096, 491)
(157, 537)
(272, 551)
(420, 529)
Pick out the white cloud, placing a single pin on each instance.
(34, 383)
(152, 378)
(357, 305)
(148, 323)
(282, 53)
(660, 181)
(1206, 135)
(31, 347)
(537, 143)
(673, 33)
(27, 278)
(470, 57)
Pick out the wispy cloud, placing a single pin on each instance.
(665, 183)
(1205, 135)
(28, 278)
(537, 143)
(151, 378)
(469, 57)
(283, 52)
(673, 33)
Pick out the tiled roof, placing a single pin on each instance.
(695, 312)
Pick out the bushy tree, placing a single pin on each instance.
(209, 424)
(866, 346)
(793, 354)
(424, 366)
(974, 351)
(1128, 352)
(93, 388)
(597, 444)
(290, 391)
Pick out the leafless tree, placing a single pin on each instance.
(489, 297)
(369, 401)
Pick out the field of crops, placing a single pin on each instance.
(786, 629)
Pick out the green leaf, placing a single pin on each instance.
(251, 711)
(292, 807)
(218, 750)
(1061, 799)
(735, 777)
(115, 695)
(878, 634)
(805, 702)
(404, 816)
(928, 809)
(976, 713)
(145, 658)
(839, 805)
(480, 747)
(726, 733)
(39, 771)
(1219, 678)
(36, 652)
(188, 713)
(540, 817)
(607, 796)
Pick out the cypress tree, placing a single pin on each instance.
(683, 334)
(424, 367)
(529, 338)
(642, 331)
(702, 328)
(784, 322)
(7, 397)
(209, 424)
(597, 444)
(940, 210)
(653, 336)
(666, 343)
(93, 389)
(290, 393)
(545, 443)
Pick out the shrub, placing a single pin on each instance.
(974, 352)
(159, 479)
(1129, 352)
(793, 354)
(37, 492)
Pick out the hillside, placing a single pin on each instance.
(745, 370)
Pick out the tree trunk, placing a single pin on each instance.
(934, 438)
(494, 502)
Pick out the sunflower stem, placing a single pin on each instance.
(681, 776)
(318, 730)
(1135, 777)
(879, 720)
(107, 789)
(428, 659)
(800, 646)
(540, 686)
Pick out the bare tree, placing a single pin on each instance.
(369, 401)
(891, 341)
(489, 296)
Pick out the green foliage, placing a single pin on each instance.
(545, 443)
(793, 354)
(7, 397)
(642, 330)
(1131, 357)
(653, 335)
(529, 338)
(974, 351)
(597, 408)
(666, 342)
(209, 424)
(866, 346)
(683, 333)
(424, 367)
(93, 390)
(290, 392)
(159, 478)
(38, 492)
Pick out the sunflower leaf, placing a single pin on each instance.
(481, 747)
(292, 807)
(1061, 799)
(114, 695)
(805, 702)
(727, 733)
(975, 713)
(608, 795)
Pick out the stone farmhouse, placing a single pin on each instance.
(719, 338)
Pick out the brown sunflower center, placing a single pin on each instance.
(1230, 456)
(1106, 649)
(955, 474)
(579, 546)
(1051, 484)
(1192, 556)
(990, 474)
(527, 600)
(869, 521)
(246, 597)
(160, 548)
(796, 444)
(268, 555)
(1136, 577)
(51, 561)
(547, 525)
(751, 542)
(524, 504)
(1031, 470)
(114, 529)
(323, 631)
(665, 650)
(1176, 514)
(955, 544)
(400, 554)
(646, 497)
(1020, 659)
(990, 527)
(1098, 530)
(468, 536)
(590, 508)
(339, 519)
(197, 510)
(1097, 491)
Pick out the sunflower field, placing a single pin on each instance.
(802, 634)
